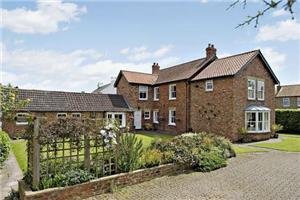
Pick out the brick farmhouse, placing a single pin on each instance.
(55, 104)
(288, 97)
(219, 95)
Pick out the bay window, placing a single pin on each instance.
(143, 92)
(257, 121)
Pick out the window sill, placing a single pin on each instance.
(147, 118)
(155, 99)
(143, 99)
(260, 99)
(21, 123)
(267, 131)
(209, 90)
(172, 99)
(172, 124)
(155, 122)
(251, 99)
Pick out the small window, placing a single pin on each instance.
(172, 91)
(61, 115)
(156, 94)
(120, 118)
(155, 116)
(21, 119)
(209, 85)
(143, 92)
(76, 115)
(286, 102)
(260, 90)
(298, 101)
(251, 89)
(172, 117)
(146, 114)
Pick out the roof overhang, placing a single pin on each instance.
(257, 108)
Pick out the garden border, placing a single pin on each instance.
(100, 185)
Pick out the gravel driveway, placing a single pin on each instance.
(271, 175)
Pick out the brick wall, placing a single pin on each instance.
(131, 94)
(99, 186)
(293, 103)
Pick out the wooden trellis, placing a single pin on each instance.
(47, 159)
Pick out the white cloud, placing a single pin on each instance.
(281, 31)
(143, 53)
(77, 70)
(275, 59)
(281, 12)
(17, 42)
(47, 18)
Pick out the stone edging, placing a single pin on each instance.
(100, 185)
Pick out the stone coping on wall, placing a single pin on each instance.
(100, 185)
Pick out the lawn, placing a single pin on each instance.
(240, 150)
(19, 149)
(148, 137)
(290, 143)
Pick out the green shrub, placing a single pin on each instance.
(4, 146)
(151, 157)
(130, 150)
(71, 177)
(201, 151)
(289, 119)
(209, 160)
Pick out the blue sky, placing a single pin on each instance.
(73, 45)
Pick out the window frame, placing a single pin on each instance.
(288, 100)
(143, 88)
(72, 115)
(207, 82)
(258, 90)
(21, 123)
(66, 115)
(170, 123)
(113, 116)
(156, 116)
(156, 94)
(171, 92)
(254, 90)
(265, 124)
(148, 115)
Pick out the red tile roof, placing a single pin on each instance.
(139, 77)
(289, 91)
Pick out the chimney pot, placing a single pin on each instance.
(155, 68)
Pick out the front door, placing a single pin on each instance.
(138, 119)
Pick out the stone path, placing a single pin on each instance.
(272, 175)
(9, 176)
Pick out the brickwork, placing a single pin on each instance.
(293, 103)
(99, 186)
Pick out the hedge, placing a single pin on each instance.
(289, 119)
(4, 147)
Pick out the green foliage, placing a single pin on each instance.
(70, 177)
(289, 119)
(209, 160)
(13, 195)
(4, 146)
(151, 157)
(276, 128)
(130, 150)
(194, 148)
(9, 101)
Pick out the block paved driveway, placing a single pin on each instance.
(271, 175)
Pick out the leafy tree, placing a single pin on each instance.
(9, 101)
(268, 5)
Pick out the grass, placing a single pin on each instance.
(290, 143)
(240, 150)
(19, 149)
(148, 137)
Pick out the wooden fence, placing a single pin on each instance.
(90, 153)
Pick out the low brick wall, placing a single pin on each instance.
(255, 137)
(99, 186)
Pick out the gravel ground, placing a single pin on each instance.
(272, 175)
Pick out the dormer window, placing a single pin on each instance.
(172, 91)
(209, 85)
(143, 92)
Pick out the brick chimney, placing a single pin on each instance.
(155, 68)
(211, 51)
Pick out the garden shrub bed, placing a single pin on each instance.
(4, 147)
(100, 185)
